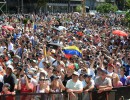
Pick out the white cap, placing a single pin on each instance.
(53, 51)
(11, 67)
(76, 73)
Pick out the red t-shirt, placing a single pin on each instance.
(24, 88)
(7, 97)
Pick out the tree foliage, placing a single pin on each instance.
(106, 8)
(127, 4)
(127, 17)
(40, 3)
(79, 8)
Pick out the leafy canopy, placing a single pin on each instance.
(106, 8)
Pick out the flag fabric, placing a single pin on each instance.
(68, 56)
(72, 50)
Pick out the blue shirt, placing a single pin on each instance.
(123, 80)
(127, 69)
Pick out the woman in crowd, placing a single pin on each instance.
(116, 81)
(43, 86)
(56, 87)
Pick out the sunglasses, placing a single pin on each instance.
(43, 80)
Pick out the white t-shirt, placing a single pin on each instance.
(34, 81)
(75, 86)
(52, 61)
(1, 78)
(2, 49)
(10, 46)
(41, 63)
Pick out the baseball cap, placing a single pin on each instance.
(53, 51)
(35, 61)
(87, 75)
(7, 85)
(104, 71)
(76, 73)
(46, 61)
(29, 76)
(16, 56)
(54, 77)
(11, 67)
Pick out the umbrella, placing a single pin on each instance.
(8, 27)
(119, 33)
(76, 13)
(54, 45)
(60, 28)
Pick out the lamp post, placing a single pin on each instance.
(68, 6)
(22, 6)
(83, 8)
(18, 6)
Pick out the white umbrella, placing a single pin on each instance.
(60, 28)
(56, 44)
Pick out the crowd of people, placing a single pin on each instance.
(32, 59)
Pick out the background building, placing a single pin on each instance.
(30, 6)
(52, 6)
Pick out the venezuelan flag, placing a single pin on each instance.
(72, 50)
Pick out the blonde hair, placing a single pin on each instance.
(116, 77)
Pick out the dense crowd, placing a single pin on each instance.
(32, 57)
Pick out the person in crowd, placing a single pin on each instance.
(6, 90)
(128, 81)
(56, 86)
(68, 75)
(110, 69)
(116, 81)
(88, 87)
(1, 77)
(74, 86)
(103, 83)
(10, 78)
(25, 86)
(117, 68)
(122, 75)
(43, 86)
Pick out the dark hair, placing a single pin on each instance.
(124, 69)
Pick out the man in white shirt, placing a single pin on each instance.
(74, 86)
(10, 46)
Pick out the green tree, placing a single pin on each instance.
(127, 17)
(40, 4)
(127, 4)
(106, 8)
(79, 8)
